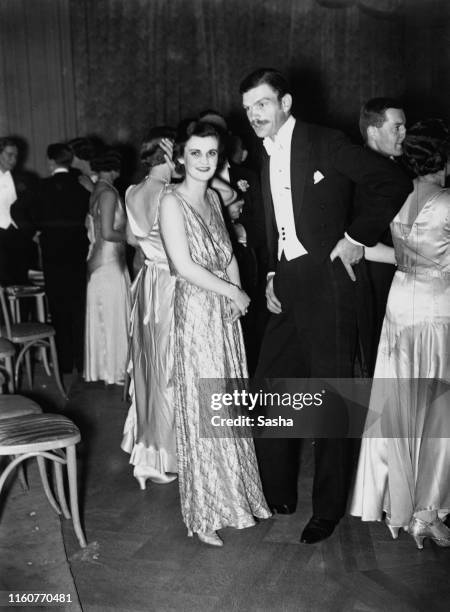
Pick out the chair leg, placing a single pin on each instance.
(46, 485)
(44, 358)
(22, 476)
(73, 490)
(10, 371)
(28, 368)
(60, 489)
(54, 355)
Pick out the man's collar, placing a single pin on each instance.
(282, 138)
(59, 170)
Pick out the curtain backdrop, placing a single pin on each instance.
(37, 100)
(141, 63)
(117, 67)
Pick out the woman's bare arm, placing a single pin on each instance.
(176, 243)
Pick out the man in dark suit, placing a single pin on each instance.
(382, 126)
(308, 175)
(249, 245)
(59, 213)
(245, 222)
(16, 191)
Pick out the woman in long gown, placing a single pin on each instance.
(218, 477)
(407, 475)
(108, 287)
(149, 432)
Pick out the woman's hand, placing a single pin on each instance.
(166, 145)
(235, 313)
(240, 300)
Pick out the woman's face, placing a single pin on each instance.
(200, 157)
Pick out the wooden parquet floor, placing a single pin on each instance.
(140, 560)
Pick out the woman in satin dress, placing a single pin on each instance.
(149, 432)
(404, 464)
(108, 286)
(218, 476)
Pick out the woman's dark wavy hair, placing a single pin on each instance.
(426, 146)
(86, 148)
(151, 153)
(109, 159)
(202, 129)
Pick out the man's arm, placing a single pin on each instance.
(382, 188)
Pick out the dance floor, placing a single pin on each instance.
(139, 558)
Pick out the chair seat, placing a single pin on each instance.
(25, 332)
(19, 291)
(17, 405)
(37, 432)
(7, 348)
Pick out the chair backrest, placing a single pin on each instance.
(4, 315)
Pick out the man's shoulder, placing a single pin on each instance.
(392, 166)
(315, 130)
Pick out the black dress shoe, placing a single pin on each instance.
(282, 508)
(317, 530)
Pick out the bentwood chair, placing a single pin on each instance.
(14, 406)
(45, 436)
(27, 336)
(17, 294)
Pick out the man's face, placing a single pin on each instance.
(265, 112)
(388, 138)
(8, 158)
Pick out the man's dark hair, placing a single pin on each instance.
(60, 153)
(151, 153)
(6, 141)
(373, 112)
(268, 76)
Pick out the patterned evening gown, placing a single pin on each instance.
(218, 477)
(149, 432)
(107, 302)
(410, 471)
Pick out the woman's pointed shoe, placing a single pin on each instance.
(210, 537)
(436, 531)
(142, 474)
(394, 530)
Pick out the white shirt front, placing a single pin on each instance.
(279, 150)
(8, 196)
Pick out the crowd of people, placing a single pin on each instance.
(346, 245)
